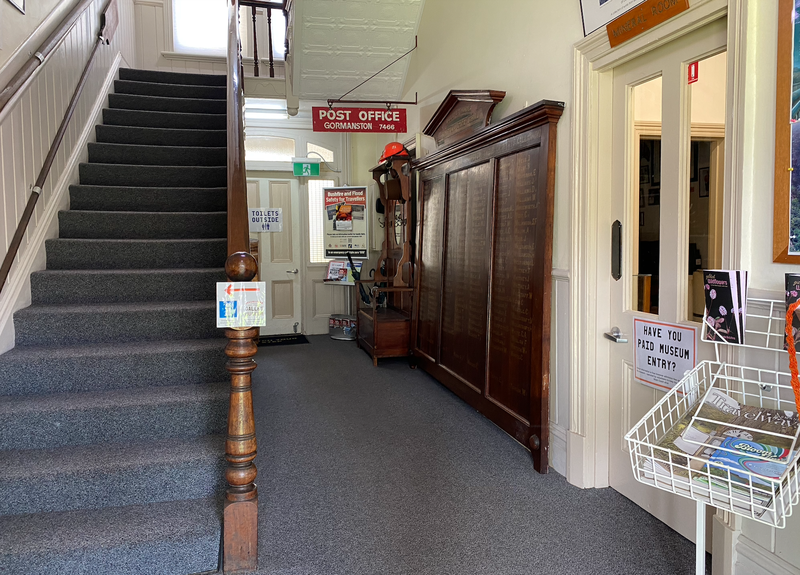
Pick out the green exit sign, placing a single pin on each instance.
(304, 169)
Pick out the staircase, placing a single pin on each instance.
(114, 400)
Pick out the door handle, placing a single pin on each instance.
(294, 271)
(616, 336)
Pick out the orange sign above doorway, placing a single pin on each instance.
(645, 16)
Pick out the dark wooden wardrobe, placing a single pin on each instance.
(481, 319)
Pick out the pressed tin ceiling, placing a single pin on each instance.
(340, 43)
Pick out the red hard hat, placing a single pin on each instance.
(393, 149)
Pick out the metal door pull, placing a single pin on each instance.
(616, 336)
(294, 271)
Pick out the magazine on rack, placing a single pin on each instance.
(709, 444)
(726, 304)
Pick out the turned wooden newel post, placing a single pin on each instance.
(240, 527)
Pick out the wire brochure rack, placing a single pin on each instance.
(762, 486)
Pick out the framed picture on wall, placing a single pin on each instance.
(703, 182)
(598, 13)
(654, 197)
(19, 5)
(786, 199)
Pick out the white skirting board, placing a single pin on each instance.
(17, 292)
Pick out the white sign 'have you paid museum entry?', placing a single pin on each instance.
(664, 352)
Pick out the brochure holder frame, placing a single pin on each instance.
(750, 495)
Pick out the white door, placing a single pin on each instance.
(657, 189)
(280, 254)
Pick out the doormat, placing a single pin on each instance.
(289, 339)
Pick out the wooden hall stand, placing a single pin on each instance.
(384, 327)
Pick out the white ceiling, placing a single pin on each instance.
(338, 44)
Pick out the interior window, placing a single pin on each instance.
(201, 26)
(326, 154)
(269, 149)
(316, 209)
(647, 235)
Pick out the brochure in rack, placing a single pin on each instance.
(726, 304)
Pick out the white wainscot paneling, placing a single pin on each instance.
(559, 370)
(27, 127)
(764, 550)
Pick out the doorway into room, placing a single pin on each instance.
(666, 198)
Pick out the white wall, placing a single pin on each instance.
(27, 127)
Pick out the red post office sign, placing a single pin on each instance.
(383, 120)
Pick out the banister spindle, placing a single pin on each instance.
(255, 42)
(269, 38)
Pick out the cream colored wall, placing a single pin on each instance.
(22, 34)
(15, 27)
(523, 47)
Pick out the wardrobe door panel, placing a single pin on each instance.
(512, 307)
(430, 267)
(468, 206)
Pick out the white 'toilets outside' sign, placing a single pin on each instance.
(266, 220)
(664, 352)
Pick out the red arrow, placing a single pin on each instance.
(229, 290)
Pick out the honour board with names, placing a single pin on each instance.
(482, 316)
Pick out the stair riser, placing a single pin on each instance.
(116, 117)
(98, 488)
(172, 77)
(136, 369)
(56, 327)
(156, 155)
(40, 430)
(157, 104)
(169, 90)
(76, 254)
(160, 136)
(124, 286)
(110, 198)
(141, 226)
(154, 176)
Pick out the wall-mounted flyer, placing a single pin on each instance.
(345, 222)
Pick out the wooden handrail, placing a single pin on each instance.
(24, 74)
(240, 513)
(16, 84)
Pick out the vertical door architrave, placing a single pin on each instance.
(594, 60)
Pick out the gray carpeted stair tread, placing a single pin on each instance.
(142, 225)
(97, 476)
(54, 324)
(157, 176)
(116, 286)
(115, 416)
(104, 153)
(169, 90)
(134, 254)
(146, 119)
(162, 104)
(140, 199)
(160, 136)
(106, 366)
(172, 77)
(173, 538)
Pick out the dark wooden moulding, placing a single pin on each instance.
(481, 318)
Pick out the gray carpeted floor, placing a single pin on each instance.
(382, 471)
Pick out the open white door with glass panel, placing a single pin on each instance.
(280, 258)
(662, 222)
